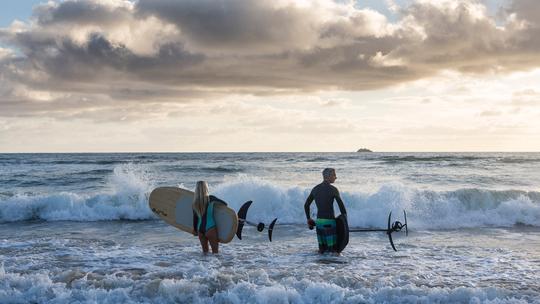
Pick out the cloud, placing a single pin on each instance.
(83, 12)
(489, 113)
(526, 98)
(5, 53)
(527, 93)
(335, 102)
(118, 52)
(526, 10)
(237, 25)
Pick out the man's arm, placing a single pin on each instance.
(309, 200)
(340, 202)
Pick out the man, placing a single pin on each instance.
(324, 195)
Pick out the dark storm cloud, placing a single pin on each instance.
(80, 12)
(63, 58)
(118, 52)
(526, 10)
(234, 24)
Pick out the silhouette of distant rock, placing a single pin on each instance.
(364, 150)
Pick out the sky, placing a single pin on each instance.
(279, 75)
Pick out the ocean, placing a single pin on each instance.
(76, 228)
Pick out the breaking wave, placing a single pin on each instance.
(129, 188)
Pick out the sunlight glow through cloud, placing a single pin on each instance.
(452, 75)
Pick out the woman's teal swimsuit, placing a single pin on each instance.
(209, 217)
(206, 222)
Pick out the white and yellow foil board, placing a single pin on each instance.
(174, 206)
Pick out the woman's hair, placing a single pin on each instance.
(201, 198)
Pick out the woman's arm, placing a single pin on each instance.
(195, 223)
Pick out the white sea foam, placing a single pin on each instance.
(129, 187)
(44, 287)
(127, 198)
(425, 209)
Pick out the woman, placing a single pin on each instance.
(204, 224)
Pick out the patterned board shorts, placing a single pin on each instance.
(326, 234)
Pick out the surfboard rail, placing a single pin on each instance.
(174, 206)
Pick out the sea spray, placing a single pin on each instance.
(43, 287)
(427, 209)
(126, 199)
(129, 186)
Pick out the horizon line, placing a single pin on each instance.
(209, 152)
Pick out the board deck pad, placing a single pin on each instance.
(342, 231)
(173, 205)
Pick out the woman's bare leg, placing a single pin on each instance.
(204, 242)
(211, 235)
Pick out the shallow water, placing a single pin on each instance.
(149, 261)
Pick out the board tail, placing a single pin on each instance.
(271, 229)
(406, 229)
(342, 229)
(242, 214)
(389, 231)
(396, 227)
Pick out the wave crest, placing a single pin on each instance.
(129, 188)
(126, 199)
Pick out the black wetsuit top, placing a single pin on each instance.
(324, 195)
(203, 217)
